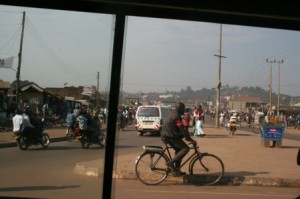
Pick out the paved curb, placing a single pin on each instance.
(85, 169)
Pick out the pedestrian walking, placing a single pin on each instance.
(199, 122)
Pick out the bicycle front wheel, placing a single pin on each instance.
(150, 168)
(208, 169)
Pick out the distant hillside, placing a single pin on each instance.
(205, 95)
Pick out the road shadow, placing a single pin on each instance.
(36, 188)
(229, 178)
(213, 136)
(243, 134)
(290, 147)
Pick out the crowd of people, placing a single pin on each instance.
(125, 116)
(253, 118)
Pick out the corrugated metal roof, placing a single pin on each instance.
(34, 86)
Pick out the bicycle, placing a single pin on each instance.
(151, 168)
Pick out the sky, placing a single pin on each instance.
(160, 55)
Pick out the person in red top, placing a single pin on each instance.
(186, 119)
(198, 114)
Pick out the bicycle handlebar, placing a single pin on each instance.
(194, 147)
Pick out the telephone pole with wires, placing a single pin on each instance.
(219, 80)
(270, 86)
(20, 60)
(278, 96)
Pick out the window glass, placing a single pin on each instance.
(148, 112)
(67, 56)
(64, 67)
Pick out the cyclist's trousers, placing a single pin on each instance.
(181, 149)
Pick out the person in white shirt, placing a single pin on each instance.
(18, 122)
(232, 123)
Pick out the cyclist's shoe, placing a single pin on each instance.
(178, 173)
(181, 172)
(171, 166)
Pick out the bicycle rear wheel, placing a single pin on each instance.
(150, 168)
(207, 169)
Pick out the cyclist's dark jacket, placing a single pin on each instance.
(171, 126)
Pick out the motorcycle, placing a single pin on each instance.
(232, 127)
(72, 133)
(88, 138)
(24, 140)
(53, 121)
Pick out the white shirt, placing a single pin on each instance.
(17, 123)
(232, 119)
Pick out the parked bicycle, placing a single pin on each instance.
(151, 168)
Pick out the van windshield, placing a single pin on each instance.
(148, 112)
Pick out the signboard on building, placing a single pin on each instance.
(89, 90)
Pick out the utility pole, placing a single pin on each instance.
(270, 86)
(219, 80)
(97, 92)
(278, 97)
(20, 59)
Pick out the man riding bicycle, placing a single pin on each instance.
(173, 133)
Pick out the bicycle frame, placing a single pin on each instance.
(156, 158)
(195, 154)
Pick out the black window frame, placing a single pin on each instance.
(267, 13)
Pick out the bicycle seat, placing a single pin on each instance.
(152, 148)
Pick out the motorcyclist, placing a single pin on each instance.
(173, 133)
(81, 120)
(18, 122)
(87, 123)
(37, 123)
(29, 129)
(93, 125)
(233, 123)
(120, 119)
